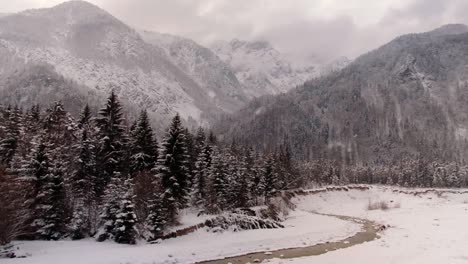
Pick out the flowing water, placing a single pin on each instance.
(369, 232)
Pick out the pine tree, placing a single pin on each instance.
(82, 182)
(10, 141)
(172, 169)
(256, 182)
(13, 215)
(110, 210)
(48, 200)
(202, 166)
(238, 185)
(126, 220)
(54, 203)
(85, 117)
(144, 150)
(270, 178)
(219, 182)
(192, 154)
(111, 142)
(157, 218)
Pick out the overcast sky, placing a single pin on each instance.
(305, 28)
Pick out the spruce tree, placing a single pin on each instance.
(219, 182)
(48, 203)
(82, 183)
(126, 220)
(111, 142)
(143, 145)
(172, 169)
(270, 178)
(156, 220)
(111, 208)
(85, 117)
(9, 142)
(201, 173)
(256, 182)
(240, 185)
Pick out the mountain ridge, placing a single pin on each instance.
(162, 73)
(406, 98)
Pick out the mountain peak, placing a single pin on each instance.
(449, 29)
(77, 4)
(77, 9)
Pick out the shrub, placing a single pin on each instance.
(379, 205)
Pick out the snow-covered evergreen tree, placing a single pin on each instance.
(126, 220)
(219, 182)
(110, 209)
(82, 182)
(238, 186)
(48, 203)
(9, 141)
(85, 117)
(156, 219)
(439, 176)
(202, 167)
(270, 178)
(111, 142)
(257, 183)
(143, 145)
(172, 169)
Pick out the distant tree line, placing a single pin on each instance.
(96, 176)
(410, 172)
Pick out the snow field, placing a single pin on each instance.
(426, 229)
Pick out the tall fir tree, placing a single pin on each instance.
(218, 175)
(85, 117)
(156, 220)
(83, 180)
(47, 202)
(201, 171)
(173, 171)
(126, 220)
(111, 141)
(270, 178)
(110, 209)
(12, 128)
(143, 145)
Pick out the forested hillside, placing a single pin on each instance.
(405, 100)
(112, 178)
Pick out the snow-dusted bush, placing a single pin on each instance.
(379, 205)
(236, 222)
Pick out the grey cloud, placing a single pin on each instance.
(294, 27)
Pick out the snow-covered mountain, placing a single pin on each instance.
(263, 70)
(406, 98)
(79, 45)
(215, 77)
(86, 44)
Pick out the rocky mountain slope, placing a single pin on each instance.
(407, 98)
(263, 70)
(213, 76)
(89, 46)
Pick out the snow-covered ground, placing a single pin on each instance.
(425, 228)
(301, 229)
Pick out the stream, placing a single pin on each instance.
(369, 231)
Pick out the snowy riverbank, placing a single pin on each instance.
(301, 229)
(424, 228)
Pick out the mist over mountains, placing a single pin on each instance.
(405, 99)
(90, 52)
